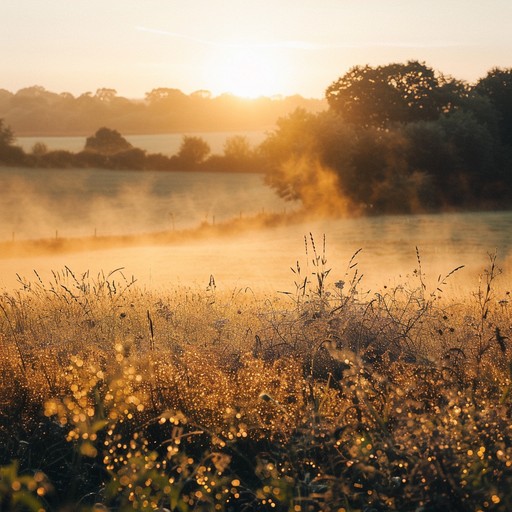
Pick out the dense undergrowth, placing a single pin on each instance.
(322, 398)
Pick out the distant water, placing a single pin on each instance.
(166, 143)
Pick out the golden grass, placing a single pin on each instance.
(320, 399)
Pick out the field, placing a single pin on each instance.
(326, 397)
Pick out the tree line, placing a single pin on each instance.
(37, 111)
(398, 138)
(108, 149)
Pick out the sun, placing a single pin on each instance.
(248, 72)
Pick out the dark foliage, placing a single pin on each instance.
(107, 142)
(399, 138)
(402, 93)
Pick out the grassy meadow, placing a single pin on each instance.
(323, 398)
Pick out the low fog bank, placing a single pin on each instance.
(66, 203)
(261, 257)
(169, 229)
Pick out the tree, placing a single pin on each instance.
(107, 142)
(5, 101)
(6, 135)
(293, 137)
(473, 158)
(106, 95)
(165, 94)
(238, 156)
(202, 94)
(395, 93)
(237, 148)
(9, 154)
(134, 158)
(284, 150)
(193, 151)
(39, 149)
(497, 87)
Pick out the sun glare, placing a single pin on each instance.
(248, 72)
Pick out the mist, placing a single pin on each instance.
(178, 229)
(254, 250)
(63, 203)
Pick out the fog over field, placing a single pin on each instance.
(256, 256)
(38, 204)
(172, 229)
(262, 259)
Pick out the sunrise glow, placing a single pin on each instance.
(244, 48)
(256, 255)
(247, 72)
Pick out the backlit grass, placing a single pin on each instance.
(322, 398)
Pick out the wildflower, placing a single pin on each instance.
(339, 284)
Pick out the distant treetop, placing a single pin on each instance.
(395, 93)
(107, 142)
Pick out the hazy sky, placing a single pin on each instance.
(247, 47)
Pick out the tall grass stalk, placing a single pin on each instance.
(342, 399)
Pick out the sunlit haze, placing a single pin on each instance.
(248, 48)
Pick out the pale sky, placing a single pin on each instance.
(246, 47)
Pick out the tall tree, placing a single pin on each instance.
(497, 86)
(378, 96)
(6, 135)
(106, 95)
(9, 154)
(107, 142)
(165, 94)
(193, 151)
(237, 147)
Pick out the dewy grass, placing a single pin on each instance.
(115, 398)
